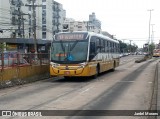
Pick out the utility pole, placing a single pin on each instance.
(149, 29)
(34, 26)
(20, 14)
(33, 6)
(22, 22)
(19, 18)
(152, 38)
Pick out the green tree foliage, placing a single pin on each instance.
(2, 46)
(127, 47)
(151, 48)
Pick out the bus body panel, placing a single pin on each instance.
(88, 70)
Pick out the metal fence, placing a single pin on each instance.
(12, 59)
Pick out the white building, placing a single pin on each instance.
(94, 20)
(43, 17)
(59, 15)
(12, 18)
(70, 25)
(49, 17)
(93, 25)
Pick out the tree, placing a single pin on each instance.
(127, 47)
(151, 48)
(123, 47)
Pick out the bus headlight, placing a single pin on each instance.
(83, 64)
(54, 64)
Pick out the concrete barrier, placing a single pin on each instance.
(19, 75)
(146, 57)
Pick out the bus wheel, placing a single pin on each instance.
(97, 72)
(114, 66)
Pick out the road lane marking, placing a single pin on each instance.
(83, 91)
(127, 81)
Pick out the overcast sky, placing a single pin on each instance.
(126, 19)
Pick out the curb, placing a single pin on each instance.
(158, 92)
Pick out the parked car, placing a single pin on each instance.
(121, 55)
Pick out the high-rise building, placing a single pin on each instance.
(19, 18)
(59, 15)
(43, 18)
(93, 25)
(94, 20)
(70, 25)
(13, 18)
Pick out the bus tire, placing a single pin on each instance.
(97, 72)
(114, 66)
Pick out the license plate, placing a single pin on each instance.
(67, 72)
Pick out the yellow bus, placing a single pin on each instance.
(156, 53)
(82, 54)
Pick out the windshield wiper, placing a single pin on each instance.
(75, 43)
(63, 48)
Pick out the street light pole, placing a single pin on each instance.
(152, 36)
(149, 28)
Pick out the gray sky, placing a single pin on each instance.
(127, 19)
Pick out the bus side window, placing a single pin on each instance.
(92, 48)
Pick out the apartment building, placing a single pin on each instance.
(49, 18)
(93, 25)
(13, 19)
(17, 18)
(59, 15)
(94, 20)
(70, 25)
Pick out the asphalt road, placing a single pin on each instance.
(129, 87)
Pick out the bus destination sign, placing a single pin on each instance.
(70, 37)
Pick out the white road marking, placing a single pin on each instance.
(83, 91)
(127, 81)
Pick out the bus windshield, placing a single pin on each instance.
(69, 52)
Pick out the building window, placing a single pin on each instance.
(43, 6)
(30, 30)
(43, 28)
(43, 21)
(43, 0)
(43, 12)
(44, 35)
(30, 22)
(29, 8)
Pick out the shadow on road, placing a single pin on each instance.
(77, 79)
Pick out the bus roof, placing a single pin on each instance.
(91, 34)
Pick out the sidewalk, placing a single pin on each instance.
(158, 92)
